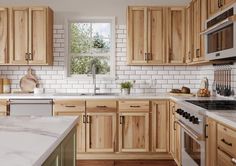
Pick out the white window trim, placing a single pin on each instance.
(112, 74)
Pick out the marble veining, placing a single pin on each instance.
(28, 141)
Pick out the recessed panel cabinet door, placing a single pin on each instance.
(172, 128)
(19, 38)
(137, 35)
(80, 128)
(4, 20)
(38, 35)
(160, 126)
(156, 36)
(134, 132)
(101, 132)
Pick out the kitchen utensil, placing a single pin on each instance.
(28, 82)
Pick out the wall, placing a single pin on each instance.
(86, 8)
(148, 79)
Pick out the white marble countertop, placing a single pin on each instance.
(29, 141)
(222, 116)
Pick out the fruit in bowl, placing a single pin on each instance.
(203, 93)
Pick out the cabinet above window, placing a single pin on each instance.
(27, 36)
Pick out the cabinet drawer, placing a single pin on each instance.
(69, 106)
(226, 139)
(223, 159)
(135, 105)
(101, 105)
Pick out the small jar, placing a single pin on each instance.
(6, 85)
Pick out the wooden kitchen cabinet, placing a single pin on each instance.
(224, 159)
(215, 6)
(73, 108)
(4, 39)
(176, 35)
(211, 145)
(175, 141)
(101, 126)
(145, 36)
(160, 126)
(31, 36)
(3, 108)
(133, 126)
(189, 34)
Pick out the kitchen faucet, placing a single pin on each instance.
(94, 70)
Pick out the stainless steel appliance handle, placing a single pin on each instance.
(30, 102)
(195, 135)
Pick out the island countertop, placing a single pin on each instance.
(29, 141)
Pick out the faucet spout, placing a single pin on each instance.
(94, 70)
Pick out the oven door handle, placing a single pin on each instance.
(190, 131)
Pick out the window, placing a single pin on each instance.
(91, 41)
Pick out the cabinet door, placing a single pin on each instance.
(224, 159)
(176, 35)
(137, 35)
(213, 7)
(19, 39)
(54, 159)
(177, 136)
(156, 35)
(80, 128)
(160, 126)
(189, 34)
(101, 132)
(211, 145)
(37, 36)
(172, 128)
(227, 3)
(3, 107)
(4, 21)
(134, 132)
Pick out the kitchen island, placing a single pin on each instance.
(34, 141)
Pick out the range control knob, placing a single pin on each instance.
(195, 121)
(187, 116)
(179, 111)
(184, 114)
(191, 118)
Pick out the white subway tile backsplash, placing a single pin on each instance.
(148, 79)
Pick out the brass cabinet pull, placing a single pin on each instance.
(26, 56)
(30, 56)
(173, 110)
(84, 119)
(198, 53)
(101, 106)
(174, 125)
(135, 106)
(70, 106)
(88, 119)
(146, 56)
(206, 125)
(122, 119)
(225, 142)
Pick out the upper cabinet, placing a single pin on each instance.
(30, 36)
(155, 35)
(4, 25)
(216, 5)
(176, 35)
(196, 15)
(145, 35)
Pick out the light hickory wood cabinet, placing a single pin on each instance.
(176, 35)
(160, 126)
(73, 108)
(211, 146)
(4, 108)
(175, 141)
(31, 30)
(215, 6)
(4, 35)
(133, 126)
(101, 126)
(189, 34)
(145, 35)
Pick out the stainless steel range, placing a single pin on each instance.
(191, 117)
(192, 124)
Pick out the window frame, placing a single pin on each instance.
(70, 20)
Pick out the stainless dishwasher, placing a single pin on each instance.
(31, 107)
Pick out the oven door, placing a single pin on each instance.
(193, 147)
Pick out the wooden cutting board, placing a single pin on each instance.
(182, 94)
(28, 82)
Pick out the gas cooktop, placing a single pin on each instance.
(215, 104)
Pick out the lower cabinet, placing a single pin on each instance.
(175, 140)
(101, 132)
(65, 153)
(134, 132)
(160, 126)
(3, 107)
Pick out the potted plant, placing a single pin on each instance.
(125, 87)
